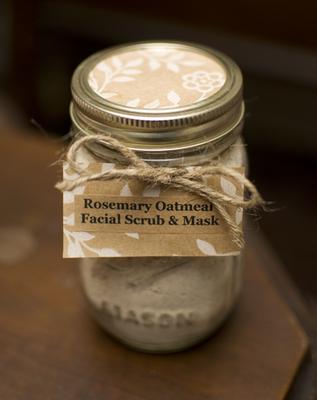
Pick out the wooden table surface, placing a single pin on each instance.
(51, 349)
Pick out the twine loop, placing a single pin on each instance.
(189, 180)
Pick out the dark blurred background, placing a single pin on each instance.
(274, 42)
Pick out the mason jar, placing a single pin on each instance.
(174, 104)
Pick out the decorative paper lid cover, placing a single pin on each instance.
(157, 77)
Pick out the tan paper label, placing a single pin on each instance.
(131, 219)
(181, 214)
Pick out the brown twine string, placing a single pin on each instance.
(175, 177)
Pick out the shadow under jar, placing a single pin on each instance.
(174, 104)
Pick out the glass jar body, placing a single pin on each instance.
(164, 304)
(161, 304)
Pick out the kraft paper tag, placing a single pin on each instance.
(129, 218)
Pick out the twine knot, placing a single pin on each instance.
(189, 180)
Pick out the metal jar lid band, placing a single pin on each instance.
(168, 127)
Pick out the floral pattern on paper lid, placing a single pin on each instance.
(157, 78)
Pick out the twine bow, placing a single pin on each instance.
(185, 179)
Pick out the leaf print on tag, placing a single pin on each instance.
(69, 220)
(227, 186)
(126, 191)
(78, 246)
(107, 252)
(69, 196)
(77, 243)
(75, 250)
(83, 236)
(206, 247)
(133, 235)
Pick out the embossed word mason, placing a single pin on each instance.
(149, 318)
(154, 190)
